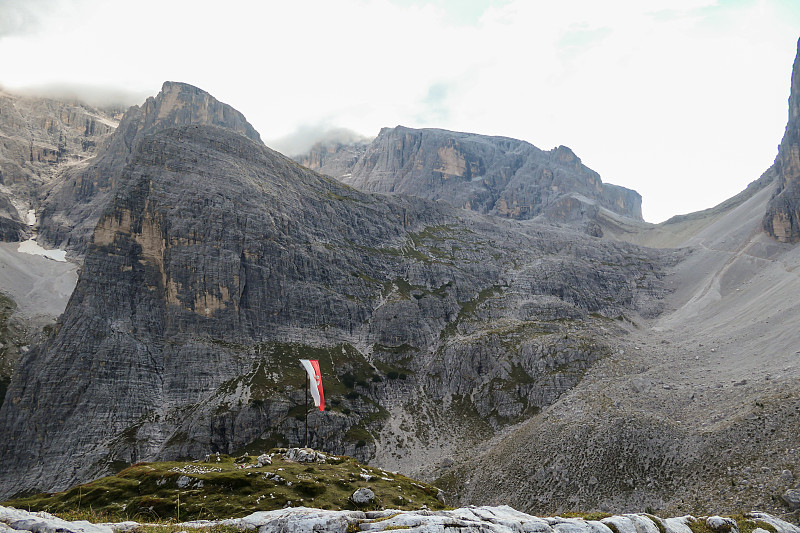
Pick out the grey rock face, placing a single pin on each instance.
(73, 202)
(494, 175)
(782, 220)
(220, 263)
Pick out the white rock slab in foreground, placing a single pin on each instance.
(16, 519)
(501, 519)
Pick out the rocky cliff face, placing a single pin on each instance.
(73, 202)
(39, 137)
(219, 263)
(782, 220)
(494, 175)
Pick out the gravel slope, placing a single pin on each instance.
(698, 409)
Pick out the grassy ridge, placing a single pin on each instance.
(224, 487)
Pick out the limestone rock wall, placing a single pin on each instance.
(782, 220)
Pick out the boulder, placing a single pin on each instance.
(363, 496)
(722, 525)
(792, 498)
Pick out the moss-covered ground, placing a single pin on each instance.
(228, 487)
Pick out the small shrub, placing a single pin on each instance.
(349, 380)
(310, 489)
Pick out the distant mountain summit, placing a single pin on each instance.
(74, 201)
(493, 175)
(38, 138)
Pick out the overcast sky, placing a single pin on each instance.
(683, 100)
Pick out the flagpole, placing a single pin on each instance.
(307, 380)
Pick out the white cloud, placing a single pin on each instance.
(683, 100)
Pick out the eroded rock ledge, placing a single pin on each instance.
(466, 519)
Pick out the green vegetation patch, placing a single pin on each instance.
(230, 488)
(748, 525)
(743, 523)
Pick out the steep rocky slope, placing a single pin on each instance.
(219, 263)
(698, 408)
(494, 175)
(39, 137)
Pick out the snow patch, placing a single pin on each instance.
(32, 247)
(31, 217)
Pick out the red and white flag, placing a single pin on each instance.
(315, 377)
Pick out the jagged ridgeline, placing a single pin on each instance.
(494, 175)
(218, 263)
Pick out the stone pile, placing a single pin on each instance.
(304, 455)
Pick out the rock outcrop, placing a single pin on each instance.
(500, 519)
(219, 263)
(494, 175)
(782, 220)
(74, 201)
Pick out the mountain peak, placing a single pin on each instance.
(82, 194)
(180, 104)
